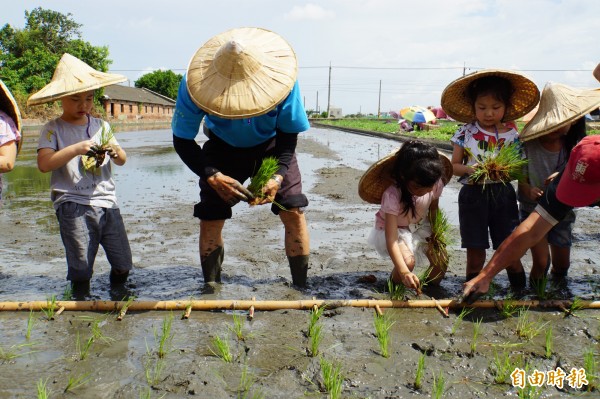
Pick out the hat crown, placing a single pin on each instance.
(236, 61)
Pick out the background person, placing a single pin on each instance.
(548, 139)
(578, 185)
(242, 83)
(82, 189)
(408, 185)
(10, 131)
(487, 101)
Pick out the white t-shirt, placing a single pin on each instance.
(72, 182)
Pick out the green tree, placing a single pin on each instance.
(29, 56)
(161, 82)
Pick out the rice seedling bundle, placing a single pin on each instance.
(439, 239)
(97, 154)
(500, 164)
(267, 169)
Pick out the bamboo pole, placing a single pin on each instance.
(230, 304)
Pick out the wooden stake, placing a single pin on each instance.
(378, 310)
(188, 311)
(439, 307)
(58, 312)
(251, 310)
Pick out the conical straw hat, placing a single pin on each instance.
(456, 103)
(378, 177)
(9, 105)
(560, 105)
(73, 76)
(241, 73)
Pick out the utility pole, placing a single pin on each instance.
(379, 102)
(329, 90)
(464, 68)
(317, 107)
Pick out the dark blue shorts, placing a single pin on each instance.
(241, 164)
(492, 208)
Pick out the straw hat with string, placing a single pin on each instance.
(456, 102)
(9, 105)
(73, 76)
(560, 105)
(242, 73)
(378, 177)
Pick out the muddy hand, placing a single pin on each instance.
(410, 280)
(229, 189)
(473, 290)
(269, 190)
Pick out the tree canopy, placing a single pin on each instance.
(161, 82)
(29, 56)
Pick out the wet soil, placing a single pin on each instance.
(157, 194)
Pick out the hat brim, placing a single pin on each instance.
(9, 105)
(73, 76)
(560, 105)
(456, 104)
(254, 93)
(575, 194)
(378, 177)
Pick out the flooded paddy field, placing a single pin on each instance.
(272, 354)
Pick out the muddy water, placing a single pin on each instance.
(156, 194)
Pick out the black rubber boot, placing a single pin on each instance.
(118, 278)
(299, 269)
(517, 280)
(80, 289)
(211, 265)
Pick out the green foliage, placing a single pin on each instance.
(382, 324)
(161, 82)
(28, 56)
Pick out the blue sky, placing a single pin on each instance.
(412, 48)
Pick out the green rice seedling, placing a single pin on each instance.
(315, 316)
(476, 328)
(420, 371)
(424, 280)
(332, 377)
(221, 349)
(383, 323)
(508, 308)
(549, 343)
(83, 347)
(50, 308)
(97, 154)
(540, 287)
(503, 164)
(146, 393)
(528, 329)
(42, 389)
(439, 239)
(76, 382)
(316, 336)
(590, 364)
(125, 307)
(459, 319)
(13, 352)
(67, 293)
(575, 307)
(503, 366)
(30, 324)
(267, 169)
(529, 391)
(153, 369)
(97, 333)
(396, 291)
(165, 337)
(439, 384)
(238, 326)
(247, 380)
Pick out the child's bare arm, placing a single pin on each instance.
(49, 159)
(409, 279)
(458, 168)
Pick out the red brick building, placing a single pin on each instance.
(126, 103)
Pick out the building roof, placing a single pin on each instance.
(137, 95)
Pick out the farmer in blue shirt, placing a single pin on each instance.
(242, 83)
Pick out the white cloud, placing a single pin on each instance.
(309, 11)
